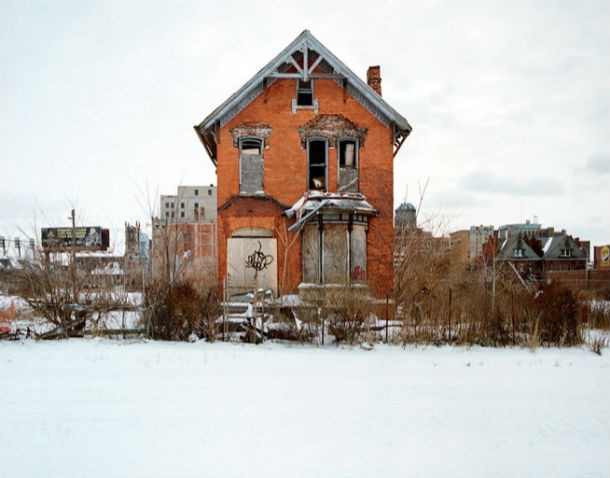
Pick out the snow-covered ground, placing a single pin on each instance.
(103, 408)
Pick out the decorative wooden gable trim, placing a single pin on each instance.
(305, 58)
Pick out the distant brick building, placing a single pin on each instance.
(192, 204)
(307, 145)
(184, 234)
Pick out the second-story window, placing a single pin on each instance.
(348, 165)
(251, 165)
(317, 155)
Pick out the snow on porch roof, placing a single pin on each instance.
(314, 201)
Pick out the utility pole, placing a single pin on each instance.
(73, 256)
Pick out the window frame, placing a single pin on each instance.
(308, 91)
(356, 152)
(308, 148)
(240, 148)
(355, 167)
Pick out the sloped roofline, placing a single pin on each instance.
(252, 88)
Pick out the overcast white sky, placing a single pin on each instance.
(509, 102)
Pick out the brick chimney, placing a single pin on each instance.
(373, 78)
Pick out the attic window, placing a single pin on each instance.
(304, 97)
(304, 93)
(518, 253)
(566, 253)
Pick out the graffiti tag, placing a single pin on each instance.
(258, 260)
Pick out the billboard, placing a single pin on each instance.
(85, 238)
(604, 256)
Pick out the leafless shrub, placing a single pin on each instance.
(598, 343)
(177, 311)
(558, 312)
(69, 299)
(596, 314)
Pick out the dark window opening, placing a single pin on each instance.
(209, 192)
(181, 205)
(304, 93)
(251, 146)
(196, 192)
(316, 151)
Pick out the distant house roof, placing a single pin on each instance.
(516, 247)
(556, 248)
(289, 63)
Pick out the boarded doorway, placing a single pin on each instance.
(252, 261)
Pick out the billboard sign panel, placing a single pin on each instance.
(605, 256)
(60, 238)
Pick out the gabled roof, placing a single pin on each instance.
(557, 244)
(293, 62)
(507, 251)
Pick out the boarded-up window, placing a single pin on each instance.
(334, 257)
(251, 166)
(311, 254)
(358, 253)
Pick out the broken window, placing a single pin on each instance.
(348, 165)
(251, 165)
(317, 152)
(304, 93)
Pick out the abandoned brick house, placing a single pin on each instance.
(304, 158)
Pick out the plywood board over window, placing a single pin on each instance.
(358, 253)
(251, 166)
(334, 258)
(311, 254)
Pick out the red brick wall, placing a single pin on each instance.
(582, 279)
(285, 176)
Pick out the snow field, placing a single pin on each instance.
(103, 408)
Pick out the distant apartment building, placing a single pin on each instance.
(526, 229)
(459, 246)
(477, 236)
(467, 244)
(192, 204)
(184, 234)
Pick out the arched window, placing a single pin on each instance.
(251, 165)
